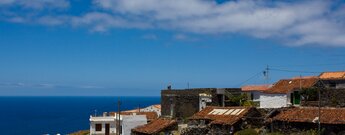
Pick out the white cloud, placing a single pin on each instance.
(53, 20)
(36, 4)
(294, 23)
(101, 22)
(184, 37)
(150, 37)
(308, 22)
(47, 86)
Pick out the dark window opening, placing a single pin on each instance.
(98, 127)
(121, 129)
(332, 85)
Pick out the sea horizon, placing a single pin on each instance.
(34, 115)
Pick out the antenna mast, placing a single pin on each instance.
(266, 74)
(118, 114)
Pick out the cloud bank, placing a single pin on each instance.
(293, 23)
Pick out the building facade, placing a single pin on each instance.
(186, 102)
(254, 92)
(333, 80)
(107, 124)
(286, 92)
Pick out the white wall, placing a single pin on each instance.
(273, 100)
(256, 95)
(151, 109)
(93, 127)
(131, 121)
(128, 122)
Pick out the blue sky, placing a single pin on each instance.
(136, 48)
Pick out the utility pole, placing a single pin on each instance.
(319, 111)
(118, 116)
(266, 74)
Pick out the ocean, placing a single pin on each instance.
(52, 115)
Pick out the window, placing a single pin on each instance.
(98, 127)
(332, 85)
(121, 129)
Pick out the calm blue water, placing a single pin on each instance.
(42, 115)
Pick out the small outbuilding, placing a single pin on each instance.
(254, 91)
(223, 120)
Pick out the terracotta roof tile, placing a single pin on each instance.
(332, 75)
(309, 114)
(157, 106)
(222, 115)
(256, 87)
(155, 126)
(287, 85)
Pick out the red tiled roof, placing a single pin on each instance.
(155, 126)
(309, 114)
(157, 106)
(332, 75)
(134, 110)
(149, 115)
(222, 115)
(287, 85)
(256, 87)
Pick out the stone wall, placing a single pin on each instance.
(329, 98)
(185, 102)
(333, 97)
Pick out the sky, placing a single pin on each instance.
(138, 47)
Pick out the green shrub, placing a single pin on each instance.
(274, 133)
(247, 132)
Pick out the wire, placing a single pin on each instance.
(310, 65)
(255, 75)
(296, 71)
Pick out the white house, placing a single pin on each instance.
(254, 91)
(203, 100)
(286, 92)
(107, 123)
(103, 125)
(152, 108)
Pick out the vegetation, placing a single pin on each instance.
(309, 94)
(81, 132)
(237, 100)
(306, 132)
(250, 103)
(248, 131)
(274, 133)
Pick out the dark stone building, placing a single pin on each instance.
(186, 102)
(333, 80)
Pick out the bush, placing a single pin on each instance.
(251, 103)
(247, 132)
(274, 133)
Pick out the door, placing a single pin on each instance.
(297, 97)
(292, 99)
(107, 129)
